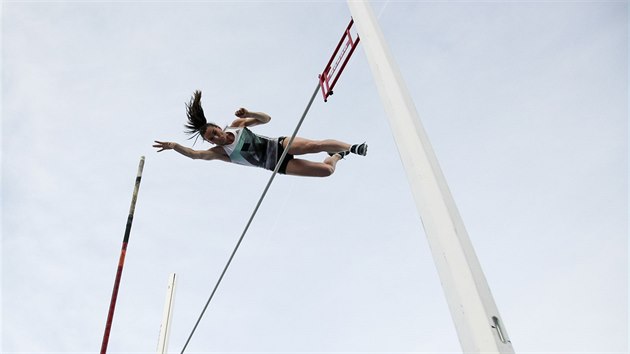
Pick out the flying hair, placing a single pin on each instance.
(196, 119)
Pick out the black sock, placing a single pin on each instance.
(340, 153)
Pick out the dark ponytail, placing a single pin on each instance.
(196, 119)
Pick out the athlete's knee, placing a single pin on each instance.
(327, 170)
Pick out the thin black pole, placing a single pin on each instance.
(121, 261)
(251, 218)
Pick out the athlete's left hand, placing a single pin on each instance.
(242, 113)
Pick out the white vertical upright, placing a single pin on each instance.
(474, 312)
(167, 315)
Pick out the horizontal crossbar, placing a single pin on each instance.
(328, 78)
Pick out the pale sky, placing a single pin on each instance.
(525, 103)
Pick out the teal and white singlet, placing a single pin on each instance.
(249, 149)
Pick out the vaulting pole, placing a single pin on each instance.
(473, 310)
(121, 261)
(251, 217)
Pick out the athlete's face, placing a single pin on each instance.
(215, 136)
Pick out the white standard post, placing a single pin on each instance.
(474, 312)
(167, 316)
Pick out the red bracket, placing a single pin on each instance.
(330, 72)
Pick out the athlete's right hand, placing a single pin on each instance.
(163, 145)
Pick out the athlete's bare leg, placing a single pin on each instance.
(301, 146)
(300, 167)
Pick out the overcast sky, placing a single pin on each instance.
(525, 103)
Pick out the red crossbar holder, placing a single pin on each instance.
(330, 72)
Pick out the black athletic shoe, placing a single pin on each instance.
(359, 149)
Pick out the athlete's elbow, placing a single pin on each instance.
(196, 155)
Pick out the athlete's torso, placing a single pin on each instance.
(250, 149)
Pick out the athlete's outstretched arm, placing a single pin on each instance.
(248, 119)
(215, 153)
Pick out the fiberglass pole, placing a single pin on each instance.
(121, 261)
